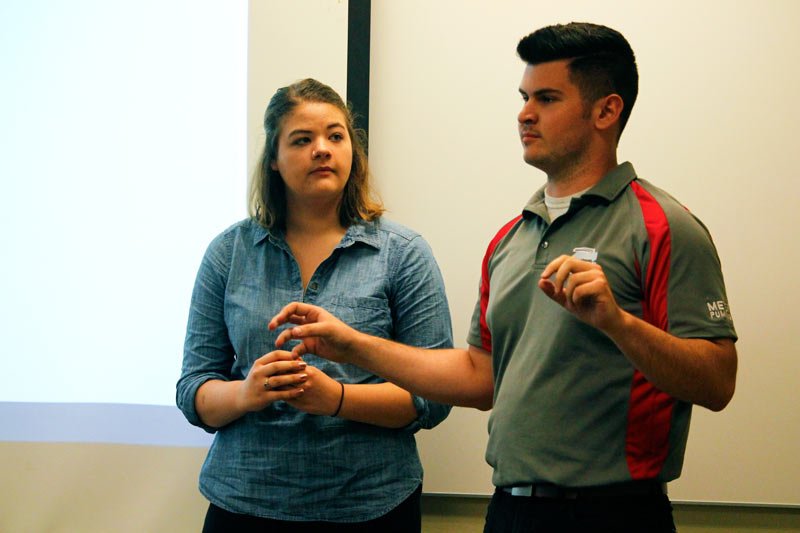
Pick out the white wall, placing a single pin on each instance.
(110, 91)
(290, 41)
(714, 125)
(123, 149)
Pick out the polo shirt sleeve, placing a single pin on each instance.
(479, 333)
(697, 299)
(474, 335)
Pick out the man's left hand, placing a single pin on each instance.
(582, 288)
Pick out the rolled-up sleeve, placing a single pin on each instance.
(207, 351)
(421, 316)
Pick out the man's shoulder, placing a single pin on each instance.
(661, 209)
(501, 234)
(674, 209)
(658, 193)
(506, 228)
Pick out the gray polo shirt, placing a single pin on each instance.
(569, 408)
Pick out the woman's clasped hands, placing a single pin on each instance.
(283, 375)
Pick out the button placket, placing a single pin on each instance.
(542, 257)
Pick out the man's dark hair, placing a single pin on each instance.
(602, 61)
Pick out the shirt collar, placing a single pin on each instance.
(607, 189)
(363, 232)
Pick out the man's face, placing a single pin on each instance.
(555, 122)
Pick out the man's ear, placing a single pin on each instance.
(607, 111)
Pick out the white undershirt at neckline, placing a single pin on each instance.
(558, 205)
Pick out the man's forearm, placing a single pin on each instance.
(452, 376)
(700, 371)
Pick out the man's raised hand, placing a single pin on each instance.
(321, 333)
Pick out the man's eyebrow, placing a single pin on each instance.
(542, 92)
(547, 91)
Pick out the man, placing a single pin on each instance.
(602, 314)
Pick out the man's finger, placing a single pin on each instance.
(553, 266)
(300, 350)
(549, 288)
(313, 329)
(285, 335)
(289, 311)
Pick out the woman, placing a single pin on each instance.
(309, 444)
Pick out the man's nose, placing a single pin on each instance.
(528, 114)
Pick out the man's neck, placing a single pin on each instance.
(579, 177)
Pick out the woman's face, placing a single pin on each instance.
(314, 154)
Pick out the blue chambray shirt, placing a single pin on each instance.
(280, 462)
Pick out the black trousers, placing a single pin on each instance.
(641, 513)
(405, 518)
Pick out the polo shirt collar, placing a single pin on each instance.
(607, 189)
(613, 183)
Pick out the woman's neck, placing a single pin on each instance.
(313, 220)
(312, 235)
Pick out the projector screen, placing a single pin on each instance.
(124, 152)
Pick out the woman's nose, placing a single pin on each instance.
(320, 150)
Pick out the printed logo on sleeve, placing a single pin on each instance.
(718, 310)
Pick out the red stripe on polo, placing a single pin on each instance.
(486, 335)
(650, 414)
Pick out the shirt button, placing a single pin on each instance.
(545, 244)
(313, 286)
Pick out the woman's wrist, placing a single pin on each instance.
(341, 401)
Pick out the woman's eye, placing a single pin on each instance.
(299, 141)
(337, 137)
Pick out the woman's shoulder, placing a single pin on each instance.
(402, 241)
(244, 227)
(395, 229)
(247, 230)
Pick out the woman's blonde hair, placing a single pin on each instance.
(267, 191)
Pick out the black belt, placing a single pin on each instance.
(548, 490)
